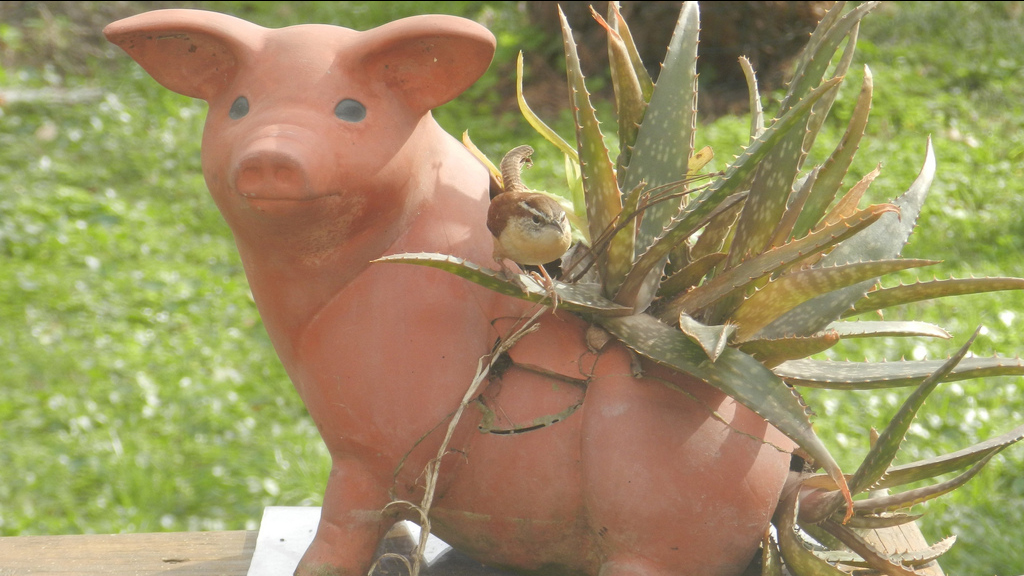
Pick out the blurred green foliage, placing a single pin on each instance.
(138, 389)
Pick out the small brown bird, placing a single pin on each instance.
(529, 228)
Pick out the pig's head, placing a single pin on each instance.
(311, 127)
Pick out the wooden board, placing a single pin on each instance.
(186, 553)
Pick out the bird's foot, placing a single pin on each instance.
(549, 286)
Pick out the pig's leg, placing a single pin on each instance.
(632, 565)
(351, 523)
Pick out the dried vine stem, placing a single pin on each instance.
(433, 467)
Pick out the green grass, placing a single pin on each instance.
(138, 389)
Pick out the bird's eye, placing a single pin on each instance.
(239, 108)
(536, 219)
(350, 110)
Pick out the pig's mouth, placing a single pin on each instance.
(284, 199)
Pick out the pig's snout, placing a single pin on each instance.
(271, 175)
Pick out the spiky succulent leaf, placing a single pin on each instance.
(735, 373)
(773, 352)
(876, 375)
(629, 98)
(690, 275)
(849, 202)
(880, 328)
(932, 467)
(712, 339)
(832, 172)
(870, 557)
(713, 237)
(893, 502)
(781, 295)
(574, 184)
(618, 23)
(872, 522)
(664, 141)
(696, 212)
(916, 558)
(604, 202)
(756, 111)
(799, 560)
(771, 558)
(824, 41)
(882, 298)
(882, 240)
(533, 120)
(773, 181)
(784, 230)
(820, 111)
(883, 451)
(573, 297)
(629, 112)
(740, 277)
(494, 173)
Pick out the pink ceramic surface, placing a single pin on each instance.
(321, 153)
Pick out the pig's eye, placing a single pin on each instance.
(350, 111)
(239, 108)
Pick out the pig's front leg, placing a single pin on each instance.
(352, 523)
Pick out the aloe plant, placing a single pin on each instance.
(739, 277)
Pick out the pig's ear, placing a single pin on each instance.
(192, 52)
(427, 60)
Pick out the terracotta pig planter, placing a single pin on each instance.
(321, 153)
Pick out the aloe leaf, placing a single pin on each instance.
(664, 142)
(876, 375)
(799, 560)
(932, 467)
(880, 328)
(882, 240)
(604, 202)
(926, 555)
(735, 373)
(785, 293)
(820, 111)
(572, 297)
(713, 236)
(756, 111)
(493, 171)
(773, 352)
(698, 161)
(773, 181)
(712, 339)
(629, 106)
(618, 24)
(830, 177)
(771, 558)
(883, 451)
(892, 502)
(817, 55)
(689, 221)
(740, 277)
(690, 275)
(870, 556)
(873, 522)
(848, 203)
(574, 184)
(882, 298)
(533, 120)
(916, 558)
(623, 225)
(629, 99)
(784, 230)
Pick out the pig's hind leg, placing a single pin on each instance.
(352, 523)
